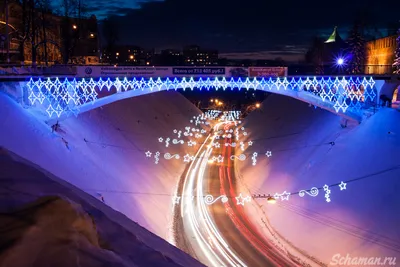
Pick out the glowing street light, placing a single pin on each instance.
(258, 105)
(74, 27)
(340, 61)
(271, 200)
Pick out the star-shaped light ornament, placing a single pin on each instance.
(240, 200)
(186, 158)
(160, 139)
(285, 196)
(342, 186)
(250, 143)
(268, 154)
(148, 154)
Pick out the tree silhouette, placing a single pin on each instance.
(396, 63)
(356, 51)
(110, 32)
(71, 11)
(315, 55)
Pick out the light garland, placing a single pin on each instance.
(347, 93)
(254, 158)
(210, 200)
(169, 156)
(157, 157)
(313, 192)
(241, 157)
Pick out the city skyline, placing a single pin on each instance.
(233, 28)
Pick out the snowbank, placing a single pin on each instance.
(57, 224)
(310, 149)
(103, 151)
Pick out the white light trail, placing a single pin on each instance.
(196, 212)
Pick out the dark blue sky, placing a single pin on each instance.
(237, 26)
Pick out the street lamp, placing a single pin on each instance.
(271, 200)
(258, 105)
(340, 61)
(74, 27)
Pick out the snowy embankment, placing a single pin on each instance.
(102, 151)
(311, 149)
(54, 223)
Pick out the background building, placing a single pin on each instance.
(86, 50)
(170, 57)
(380, 55)
(38, 36)
(128, 55)
(195, 56)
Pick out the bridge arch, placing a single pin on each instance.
(345, 96)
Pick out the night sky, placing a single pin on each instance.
(260, 27)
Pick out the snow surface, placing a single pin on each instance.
(111, 163)
(362, 220)
(57, 224)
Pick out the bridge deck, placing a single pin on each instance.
(345, 96)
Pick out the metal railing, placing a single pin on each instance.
(293, 70)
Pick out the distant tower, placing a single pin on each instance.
(335, 37)
(333, 46)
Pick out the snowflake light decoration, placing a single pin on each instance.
(65, 96)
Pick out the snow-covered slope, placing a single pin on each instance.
(362, 220)
(57, 224)
(103, 151)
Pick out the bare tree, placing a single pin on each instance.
(25, 29)
(72, 13)
(315, 55)
(110, 32)
(45, 10)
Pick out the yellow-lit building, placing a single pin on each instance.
(48, 39)
(380, 55)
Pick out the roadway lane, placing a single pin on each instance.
(220, 234)
(231, 219)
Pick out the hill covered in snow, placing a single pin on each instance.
(102, 151)
(46, 221)
(311, 149)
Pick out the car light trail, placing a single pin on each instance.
(215, 250)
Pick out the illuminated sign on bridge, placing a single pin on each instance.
(164, 72)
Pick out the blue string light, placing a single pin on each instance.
(59, 97)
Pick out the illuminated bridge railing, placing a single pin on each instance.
(61, 96)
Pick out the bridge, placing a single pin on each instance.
(60, 92)
(63, 97)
